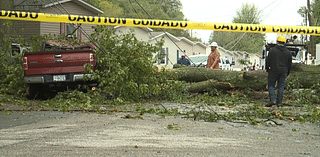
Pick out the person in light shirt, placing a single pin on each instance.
(214, 57)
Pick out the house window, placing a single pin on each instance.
(233, 60)
(163, 56)
(69, 29)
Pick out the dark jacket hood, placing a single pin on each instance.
(281, 47)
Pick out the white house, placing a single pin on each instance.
(141, 33)
(169, 49)
(199, 48)
(191, 48)
(186, 45)
(255, 60)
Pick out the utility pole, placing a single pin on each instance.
(310, 24)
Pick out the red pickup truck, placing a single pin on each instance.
(57, 67)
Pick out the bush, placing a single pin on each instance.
(126, 68)
(11, 76)
(125, 71)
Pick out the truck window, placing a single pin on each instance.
(15, 50)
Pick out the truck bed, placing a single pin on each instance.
(56, 62)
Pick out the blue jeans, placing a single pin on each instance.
(280, 79)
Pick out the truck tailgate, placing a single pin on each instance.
(57, 62)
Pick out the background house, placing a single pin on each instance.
(191, 48)
(240, 55)
(141, 33)
(255, 60)
(186, 46)
(199, 48)
(169, 50)
(74, 7)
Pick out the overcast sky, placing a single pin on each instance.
(274, 12)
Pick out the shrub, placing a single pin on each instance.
(126, 68)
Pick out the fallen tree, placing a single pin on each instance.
(302, 76)
(207, 86)
(234, 78)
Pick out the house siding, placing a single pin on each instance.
(186, 47)
(43, 28)
(198, 49)
(26, 29)
(172, 53)
(72, 8)
(5, 5)
(140, 33)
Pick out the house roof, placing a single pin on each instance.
(49, 3)
(201, 44)
(242, 52)
(222, 48)
(155, 35)
(186, 40)
(147, 29)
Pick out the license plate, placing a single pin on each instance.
(59, 77)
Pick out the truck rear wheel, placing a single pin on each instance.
(40, 92)
(33, 91)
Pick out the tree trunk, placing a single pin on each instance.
(209, 85)
(302, 76)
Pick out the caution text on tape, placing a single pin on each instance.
(231, 27)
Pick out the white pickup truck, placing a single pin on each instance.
(225, 64)
(201, 61)
(298, 52)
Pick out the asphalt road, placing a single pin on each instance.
(46, 133)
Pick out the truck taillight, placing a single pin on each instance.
(92, 59)
(25, 63)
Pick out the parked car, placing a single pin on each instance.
(198, 60)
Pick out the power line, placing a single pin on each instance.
(172, 40)
(93, 41)
(241, 37)
(161, 30)
(141, 18)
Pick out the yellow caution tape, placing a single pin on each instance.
(234, 27)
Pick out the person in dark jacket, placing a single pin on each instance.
(278, 66)
(184, 61)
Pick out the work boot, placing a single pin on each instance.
(271, 103)
(280, 105)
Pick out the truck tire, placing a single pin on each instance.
(40, 92)
(33, 91)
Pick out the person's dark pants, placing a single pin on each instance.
(280, 79)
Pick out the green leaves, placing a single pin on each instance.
(11, 76)
(236, 41)
(173, 127)
(126, 67)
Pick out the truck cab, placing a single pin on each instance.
(298, 51)
(17, 48)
